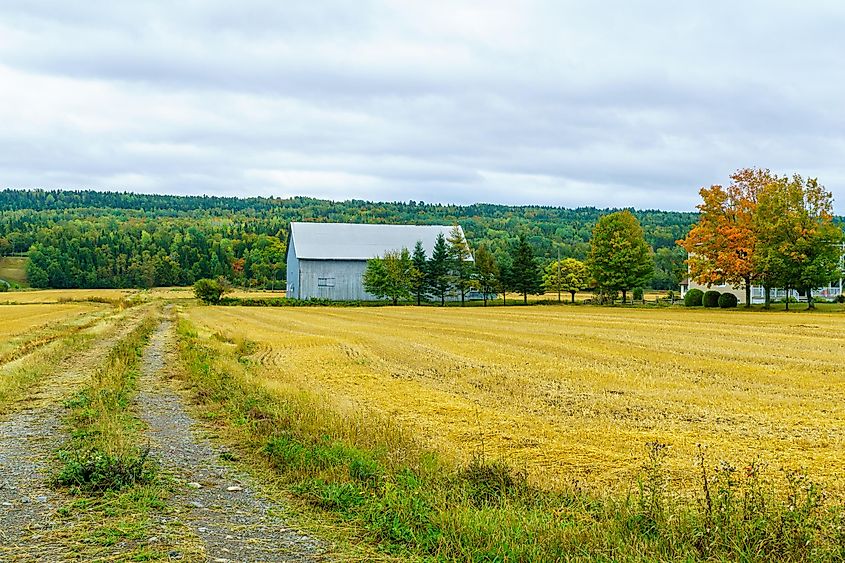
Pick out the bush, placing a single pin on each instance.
(211, 291)
(728, 301)
(693, 298)
(4, 286)
(840, 298)
(638, 294)
(711, 298)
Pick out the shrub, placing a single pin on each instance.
(710, 298)
(4, 286)
(96, 470)
(638, 294)
(211, 291)
(693, 298)
(728, 301)
(840, 298)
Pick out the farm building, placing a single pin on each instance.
(328, 260)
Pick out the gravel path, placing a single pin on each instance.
(29, 438)
(219, 504)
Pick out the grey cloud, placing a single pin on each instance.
(515, 102)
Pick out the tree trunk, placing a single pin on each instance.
(442, 299)
(747, 292)
(573, 295)
(504, 298)
(810, 303)
(395, 300)
(558, 294)
(462, 297)
(525, 297)
(624, 296)
(419, 299)
(485, 299)
(767, 300)
(787, 299)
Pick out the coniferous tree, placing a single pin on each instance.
(487, 272)
(438, 269)
(461, 265)
(420, 277)
(505, 267)
(525, 272)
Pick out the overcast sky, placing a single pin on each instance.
(555, 103)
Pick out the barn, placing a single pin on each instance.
(328, 260)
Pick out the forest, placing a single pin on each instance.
(90, 239)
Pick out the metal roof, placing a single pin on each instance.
(355, 241)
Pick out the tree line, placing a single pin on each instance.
(94, 239)
(619, 260)
(765, 229)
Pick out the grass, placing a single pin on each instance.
(369, 476)
(13, 270)
(567, 393)
(117, 493)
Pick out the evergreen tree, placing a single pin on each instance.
(525, 273)
(620, 259)
(505, 267)
(438, 269)
(419, 276)
(487, 272)
(461, 265)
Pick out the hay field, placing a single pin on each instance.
(13, 269)
(22, 325)
(571, 392)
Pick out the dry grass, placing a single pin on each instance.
(24, 326)
(13, 269)
(64, 295)
(571, 392)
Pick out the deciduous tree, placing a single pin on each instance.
(568, 274)
(486, 271)
(461, 265)
(390, 276)
(620, 259)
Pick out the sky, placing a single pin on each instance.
(565, 103)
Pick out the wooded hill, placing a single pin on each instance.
(111, 239)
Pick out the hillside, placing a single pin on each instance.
(110, 239)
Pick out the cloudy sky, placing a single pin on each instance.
(549, 102)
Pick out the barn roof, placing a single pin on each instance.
(354, 241)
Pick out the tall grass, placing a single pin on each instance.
(366, 472)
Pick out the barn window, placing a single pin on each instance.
(325, 282)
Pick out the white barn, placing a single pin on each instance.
(328, 260)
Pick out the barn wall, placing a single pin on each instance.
(348, 279)
(293, 289)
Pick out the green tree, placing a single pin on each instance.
(486, 271)
(211, 291)
(461, 266)
(419, 278)
(568, 274)
(505, 267)
(391, 276)
(798, 242)
(525, 273)
(620, 258)
(439, 280)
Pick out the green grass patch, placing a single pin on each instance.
(366, 474)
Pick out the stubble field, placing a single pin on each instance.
(570, 393)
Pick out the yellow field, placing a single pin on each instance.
(20, 324)
(571, 392)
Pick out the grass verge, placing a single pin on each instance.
(364, 473)
(116, 491)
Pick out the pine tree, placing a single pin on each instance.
(525, 273)
(419, 276)
(461, 262)
(438, 269)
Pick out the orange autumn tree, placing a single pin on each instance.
(721, 245)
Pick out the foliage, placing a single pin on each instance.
(722, 244)
(670, 267)
(799, 242)
(439, 281)
(391, 276)
(694, 298)
(419, 284)
(638, 294)
(211, 291)
(568, 274)
(710, 299)
(487, 272)
(461, 264)
(619, 258)
(728, 300)
(525, 276)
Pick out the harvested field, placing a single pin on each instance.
(571, 392)
(23, 325)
